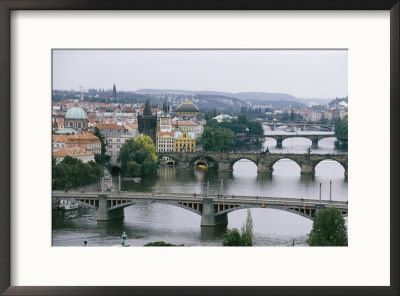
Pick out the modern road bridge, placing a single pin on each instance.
(213, 209)
(264, 161)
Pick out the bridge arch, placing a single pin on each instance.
(298, 137)
(343, 164)
(233, 161)
(184, 205)
(286, 157)
(170, 155)
(115, 170)
(305, 214)
(204, 159)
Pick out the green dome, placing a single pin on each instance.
(76, 112)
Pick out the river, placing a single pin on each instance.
(147, 222)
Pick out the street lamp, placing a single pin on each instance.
(85, 240)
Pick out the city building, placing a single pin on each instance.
(147, 122)
(76, 118)
(165, 142)
(86, 141)
(66, 131)
(165, 135)
(191, 127)
(74, 152)
(165, 118)
(184, 142)
(115, 136)
(59, 142)
(187, 109)
(223, 117)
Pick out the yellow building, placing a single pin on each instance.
(184, 142)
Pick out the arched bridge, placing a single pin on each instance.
(213, 209)
(264, 161)
(315, 138)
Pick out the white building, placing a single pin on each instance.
(165, 142)
(115, 136)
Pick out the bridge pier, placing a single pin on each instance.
(314, 141)
(279, 142)
(225, 166)
(183, 165)
(264, 168)
(104, 214)
(208, 217)
(307, 169)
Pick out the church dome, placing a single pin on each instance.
(76, 112)
(187, 107)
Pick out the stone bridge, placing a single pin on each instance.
(213, 209)
(315, 138)
(264, 161)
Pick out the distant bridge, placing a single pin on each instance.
(315, 138)
(264, 161)
(273, 124)
(213, 209)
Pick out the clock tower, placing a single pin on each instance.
(166, 118)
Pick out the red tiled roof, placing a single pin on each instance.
(160, 134)
(73, 152)
(103, 126)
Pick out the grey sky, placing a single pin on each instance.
(301, 73)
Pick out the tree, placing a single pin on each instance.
(341, 126)
(72, 172)
(234, 238)
(329, 229)
(255, 128)
(217, 139)
(247, 230)
(102, 158)
(138, 157)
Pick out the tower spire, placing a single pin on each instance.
(114, 93)
(147, 109)
(166, 106)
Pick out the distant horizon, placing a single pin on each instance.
(170, 90)
(312, 73)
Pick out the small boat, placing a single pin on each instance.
(66, 205)
(202, 166)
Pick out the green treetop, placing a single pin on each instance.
(234, 238)
(329, 229)
(138, 157)
(102, 158)
(341, 126)
(217, 139)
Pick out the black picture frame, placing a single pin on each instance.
(6, 6)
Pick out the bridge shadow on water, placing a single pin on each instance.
(212, 233)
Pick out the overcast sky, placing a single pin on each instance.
(301, 73)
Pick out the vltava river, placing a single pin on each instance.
(147, 222)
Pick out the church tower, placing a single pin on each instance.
(147, 122)
(165, 118)
(114, 93)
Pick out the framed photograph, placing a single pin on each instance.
(161, 151)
